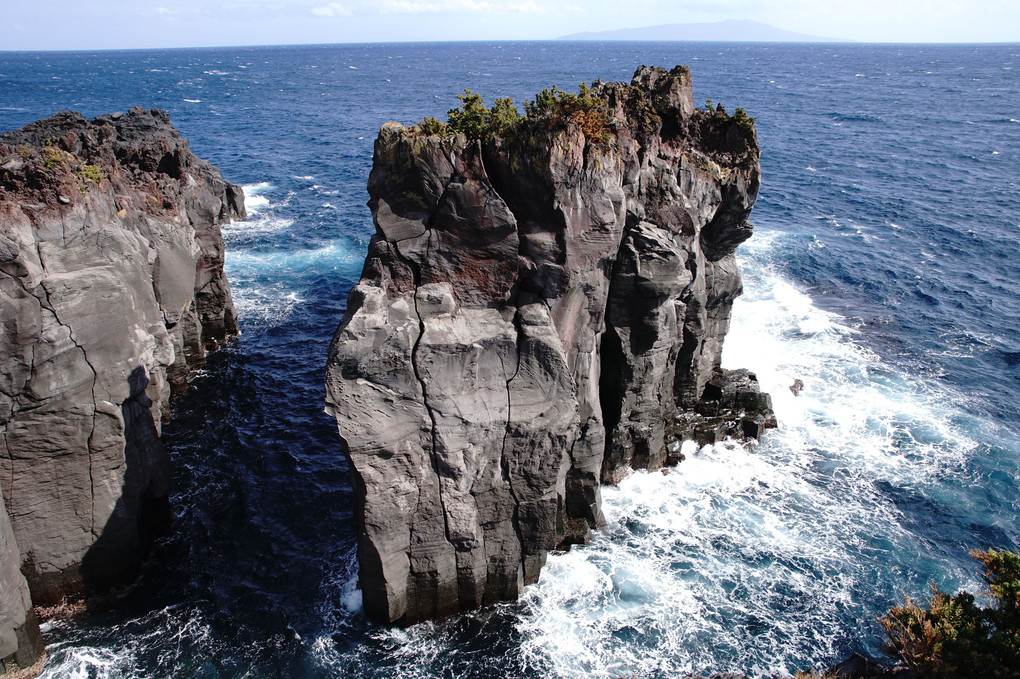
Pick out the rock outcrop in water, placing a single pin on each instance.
(540, 310)
(111, 289)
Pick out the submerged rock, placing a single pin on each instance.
(111, 289)
(538, 313)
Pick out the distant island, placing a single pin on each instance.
(718, 31)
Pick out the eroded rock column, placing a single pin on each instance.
(537, 310)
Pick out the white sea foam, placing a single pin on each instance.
(264, 305)
(178, 630)
(746, 559)
(254, 201)
(262, 220)
(262, 283)
(275, 264)
(761, 560)
(352, 597)
(256, 224)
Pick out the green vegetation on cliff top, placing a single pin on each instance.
(553, 106)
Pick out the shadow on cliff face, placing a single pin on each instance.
(142, 513)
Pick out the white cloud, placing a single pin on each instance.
(163, 11)
(333, 9)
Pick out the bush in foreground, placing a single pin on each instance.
(954, 636)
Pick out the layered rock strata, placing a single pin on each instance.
(538, 310)
(111, 288)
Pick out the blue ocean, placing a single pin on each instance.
(884, 274)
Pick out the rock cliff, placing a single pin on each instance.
(542, 307)
(111, 288)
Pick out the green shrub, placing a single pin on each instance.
(554, 107)
(544, 103)
(84, 174)
(431, 127)
(505, 117)
(953, 636)
(743, 120)
(472, 118)
(90, 172)
(54, 156)
(582, 109)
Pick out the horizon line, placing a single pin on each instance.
(841, 42)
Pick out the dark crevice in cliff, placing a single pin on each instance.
(612, 358)
(490, 183)
(16, 403)
(690, 340)
(18, 393)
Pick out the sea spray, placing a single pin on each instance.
(761, 559)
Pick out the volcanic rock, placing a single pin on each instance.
(537, 309)
(21, 643)
(111, 289)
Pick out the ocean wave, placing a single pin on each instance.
(763, 559)
(257, 225)
(254, 201)
(267, 286)
(738, 558)
(180, 633)
(278, 263)
(264, 306)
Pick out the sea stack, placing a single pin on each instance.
(542, 308)
(111, 289)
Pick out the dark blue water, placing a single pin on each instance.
(884, 274)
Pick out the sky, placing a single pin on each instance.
(119, 24)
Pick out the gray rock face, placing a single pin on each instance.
(21, 643)
(111, 288)
(535, 312)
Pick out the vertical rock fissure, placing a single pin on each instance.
(489, 182)
(16, 404)
(503, 462)
(416, 269)
(95, 379)
(10, 456)
(610, 389)
(690, 340)
(15, 409)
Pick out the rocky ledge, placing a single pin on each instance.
(111, 289)
(542, 308)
